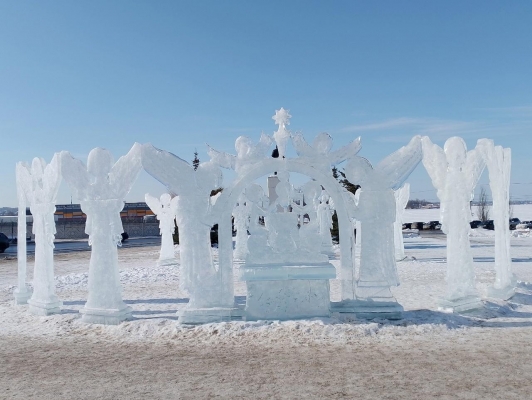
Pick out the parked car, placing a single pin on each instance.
(4, 242)
(525, 225)
(434, 225)
(475, 224)
(125, 236)
(407, 225)
(417, 225)
(489, 225)
(514, 222)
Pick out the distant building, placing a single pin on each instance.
(73, 211)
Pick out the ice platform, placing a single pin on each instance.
(369, 309)
(105, 316)
(461, 304)
(284, 292)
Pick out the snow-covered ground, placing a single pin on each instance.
(484, 354)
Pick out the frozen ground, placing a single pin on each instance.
(428, 354)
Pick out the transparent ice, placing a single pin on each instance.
(164, 208)
(194, 218)
(325, 213)
(101, 187)
(40, 184)
(455, 172)
(499, 162)
(376, 212)
(401, 200)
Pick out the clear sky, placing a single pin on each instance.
(75, 75)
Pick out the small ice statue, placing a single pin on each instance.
(241, 215)
(376, 213)
(455, 172)
(247, 154)
(401, 200)
(40, 184)
(499, 163)
(163, 208)
(281, 136)
(325, 214)
(101, 187)
(194, 218)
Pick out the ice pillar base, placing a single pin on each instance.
(505, 293)
(462, 304)
(22, 296)
(194, 316)
(166, 262)
(45, 308)
(105, 316)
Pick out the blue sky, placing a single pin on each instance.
(78, 75)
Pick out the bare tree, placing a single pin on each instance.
(483, 211)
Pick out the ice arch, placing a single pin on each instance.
(223, 208)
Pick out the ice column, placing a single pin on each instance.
(455, 172)
(101, 187)
(164, 211)
(401, 199)
(499, 162)
(22, 293)
(45, 180)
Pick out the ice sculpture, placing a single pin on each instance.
(325, 213)
(401, 200)
(101, 187)
(210, 297)
(281, 136)
(376, 212)
(40, 184)
(319, 154)
(499, 163)
(455, 172)
(164, 208)
(248, 154)
(241, 214)
(23, 292)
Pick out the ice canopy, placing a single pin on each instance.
(283, 230)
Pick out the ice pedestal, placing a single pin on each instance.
(287, 291)
(105, 316)
(22, 296)
(166, 262)
(206, 315)
(467, 303)
(504, 293)
(45, 308)
(371, 302)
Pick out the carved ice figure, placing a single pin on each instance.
(376, 213)
(23, 292)
(283, 234)
(248, 154)
(101, 187)
(281, 136)
(204, 283)
(499, 163)
(455, 172)
(325, 213)
(319, 155)
(40, 184)
(258, 240)
(309, 233)
(401, 199)
(164, 211)
(241, 214)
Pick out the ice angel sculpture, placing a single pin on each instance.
(401, 199)
(376, 213)
(247, 154)
(40, 184)
(499, 163)
(194, 219)
(455, 172)
(101, 187)
(164, 208)
(281, 136)
(320, 154)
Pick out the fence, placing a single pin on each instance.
(75, 228)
